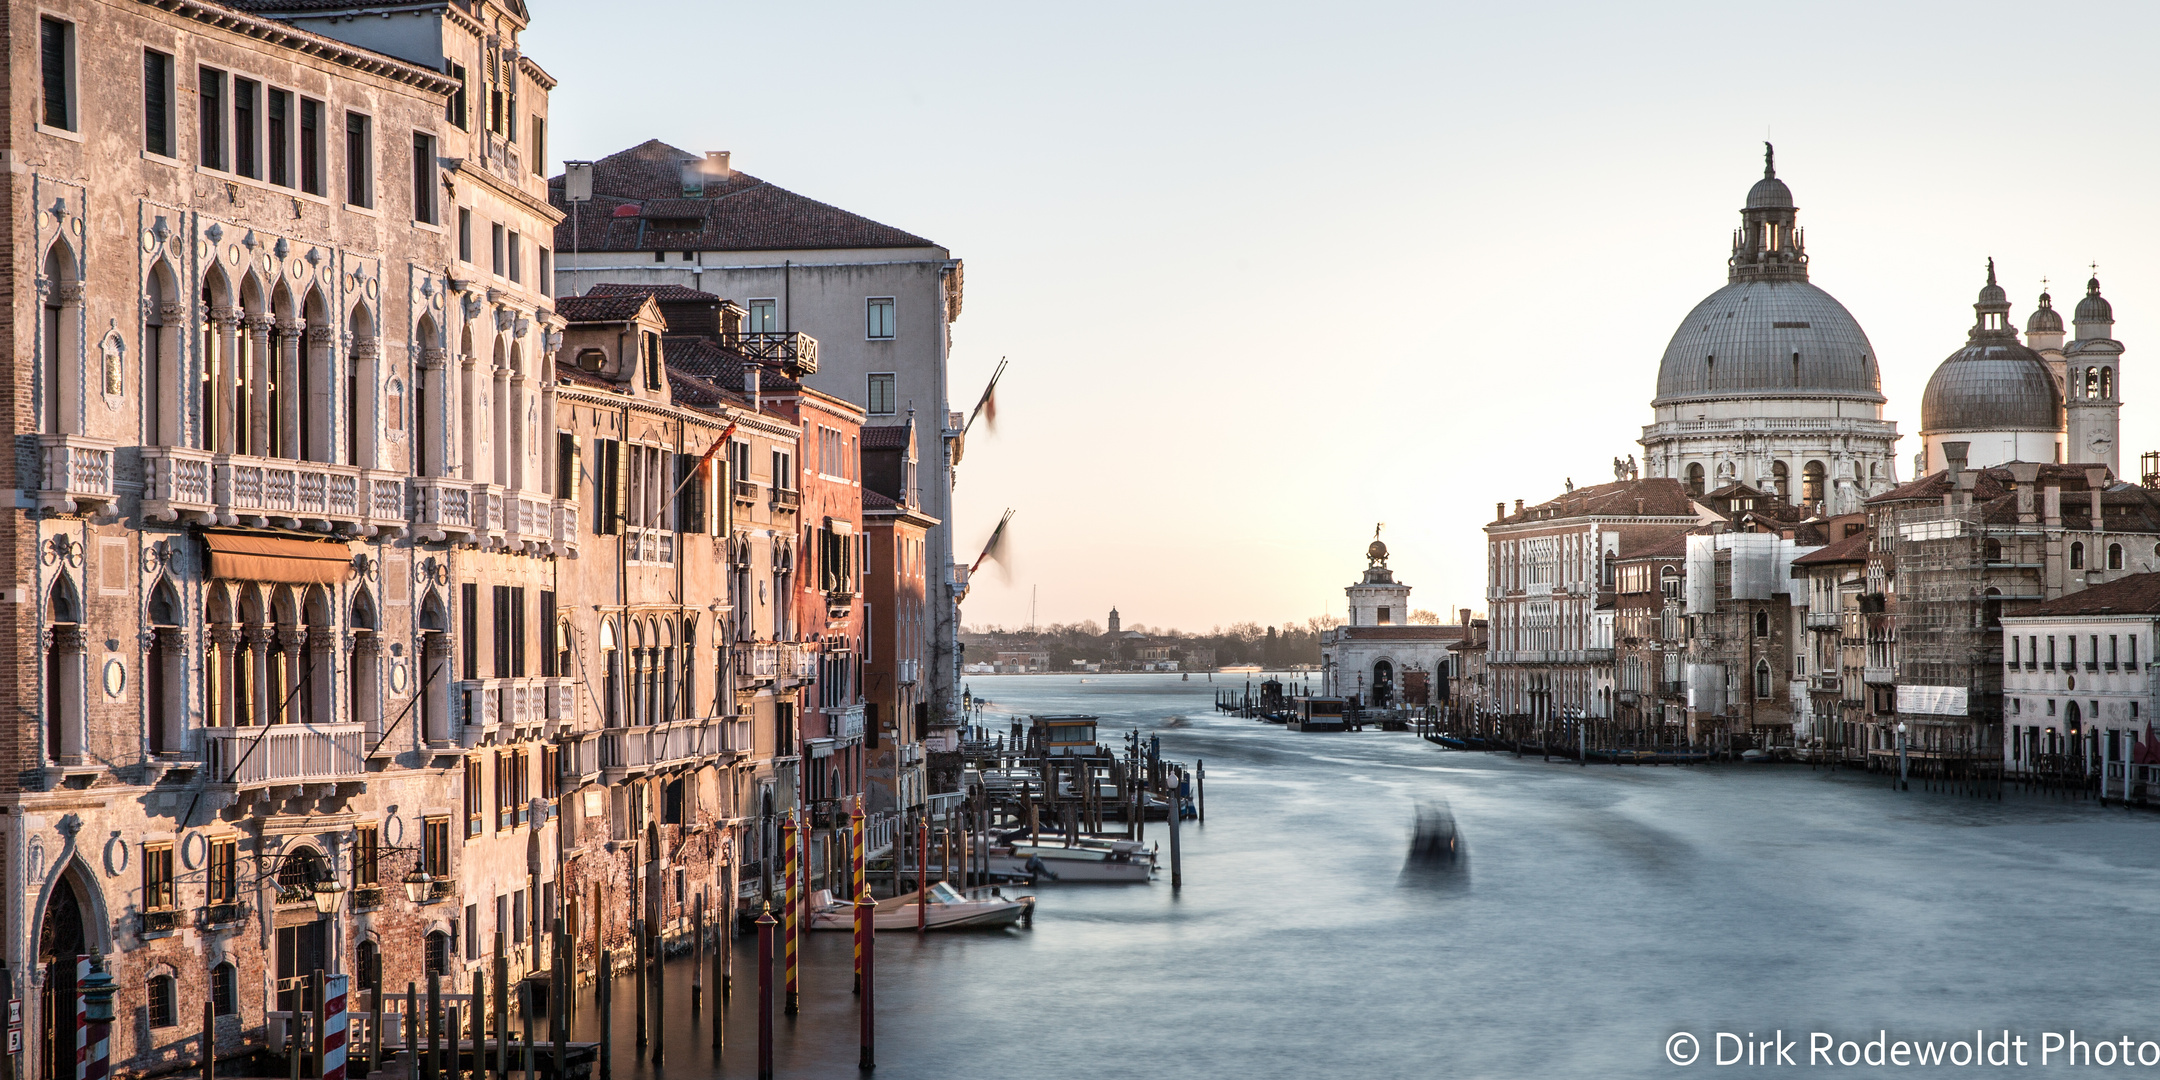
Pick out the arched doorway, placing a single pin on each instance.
(1383, 683)
(61, 947)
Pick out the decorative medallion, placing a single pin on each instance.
(115, 678)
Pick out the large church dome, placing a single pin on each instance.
(1994, 383)
(1768, 338)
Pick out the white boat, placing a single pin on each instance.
(1090, 861)
(948, 909)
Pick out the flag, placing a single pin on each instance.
(990, 549)
(715, 447)
(986, 406)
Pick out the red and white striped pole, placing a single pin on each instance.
(82, 1020)
(333, 1033)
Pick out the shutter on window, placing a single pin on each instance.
(616, 476)
(724, 472)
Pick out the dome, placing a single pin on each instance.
(1769, 193)
(2094, 308)
(1769, 339)
(2045, 319)
(1991, 384)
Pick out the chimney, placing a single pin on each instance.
(750, 374)
(1518, 506)
(1499, 511)
(716, 163)
(2051, 506)
(1462, 617)
(1954, 458)
(2096, 478)
(2024, 474)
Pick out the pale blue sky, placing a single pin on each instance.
(1269, 273)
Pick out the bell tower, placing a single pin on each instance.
(1378, 599)
(2092, 385)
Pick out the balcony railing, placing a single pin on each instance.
(442, 507)
(77, 476)
(755, 661)
(286, 754)
(566, 527)
(228, 487)
(792, 350)
(518, 702)
(746, 491)
(631, 749)
(1825, 620)
(847, 723)
(784, 499)
(649, 545)
(176, 481)
(1878, 676)
(160, 920)
(910, 671)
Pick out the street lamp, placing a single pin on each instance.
(328, 895)
(417, 884)
(97, 993)
(1902, 785)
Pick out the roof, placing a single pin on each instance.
(1992, 482)
(872, 500)
(662, 293)
(1852, 549)
(621, 307)
(640, 203)
(1768, 339)
(1664, 547)
(2138, 594)
(886, 436)
(1657, 496)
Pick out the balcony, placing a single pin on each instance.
(793, 351)
(1673, 688)
(160, 921)
(627, 751)
(1826, 682)
(441, 888)
(784, 499)
(910, 672)
(1824, 620)
(756, 662)
(286, 754)
(845, 723)
(490, 704)
(227, 488)
(1878, 676)
(655, 546)
(746, 491)
(566, 527)
(223, 913)
(442, 507)
(77, 476)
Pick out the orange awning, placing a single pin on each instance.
(275, 558)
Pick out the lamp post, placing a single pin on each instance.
(417, 885)
(97, 995)
(1902, 785)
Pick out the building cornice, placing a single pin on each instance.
(288, 36)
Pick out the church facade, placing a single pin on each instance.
(1379, 656)
(1769, 381)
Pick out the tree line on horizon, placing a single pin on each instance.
(1239, 643)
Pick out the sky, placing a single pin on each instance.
(1269, 275)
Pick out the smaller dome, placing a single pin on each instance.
(1991, 294)
(2045, 319)
(2094, 308)
(1769, 193)
(1991, 386)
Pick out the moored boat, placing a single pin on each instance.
(1089, 861)
(948, 909)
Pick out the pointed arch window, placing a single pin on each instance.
(1763, 682)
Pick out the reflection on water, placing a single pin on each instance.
(1612, 906)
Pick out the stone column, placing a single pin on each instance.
(173, 389)
(259, 362)
(223, 378)
(291, 408)
(322, 656)
(259, 640)
(431, 427)
(224, 649)
(361, 411)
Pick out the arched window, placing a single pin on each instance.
(2107, 382)
(1695, 479)
(369, 964)
(1780, 480)
(161, 388)
(611, 677)
(1812, 477)
(363, 696)
(64, 737)
(2092, 382)
(2077, 555)
(1763, 682)
(224, 989)
(360, 384)
(2114, 556)
(1762, 624)
(164, 1006)
(59, 341)
(1994, 550)
(297, 874)
(164, 669)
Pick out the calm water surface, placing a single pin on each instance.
(1606, 909)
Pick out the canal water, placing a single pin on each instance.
(1604, 910)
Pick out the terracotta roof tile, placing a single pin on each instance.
(736, 212)
(885, 436)
(2138, 594)
(1660, 497)
(662, 293)
(1402, 633)
(1852, 549)
(591, 309)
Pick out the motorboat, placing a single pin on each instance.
(948, 909)
(1087, 861)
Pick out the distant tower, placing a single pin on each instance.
(1378, 599)
(1113, 621)
(2092, 388)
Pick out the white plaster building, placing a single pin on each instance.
(1379, 656)
(1769, 381)
(2078, 678)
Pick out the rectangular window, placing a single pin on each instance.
(157, 877)
(880, 394)
(550, 774)
(475, 797)
(502, 631)
(222, 875)
(783, 471)
(423, 178)
(455, 110)
(464, 234)
(56, 68)
(311, 146)
(547, 272)
(497, 232)
(472, 932)
(469, 594)
(246, 137)
(367, 854)
(764, 316)
(279, 112)
(435, 848)
(359, 160)
(157, 77)
(881, 318)
(517, 263)
(517, 631)
(547, 629)
(539, 146)
(210, 108)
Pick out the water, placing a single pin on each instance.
(1606, 908)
